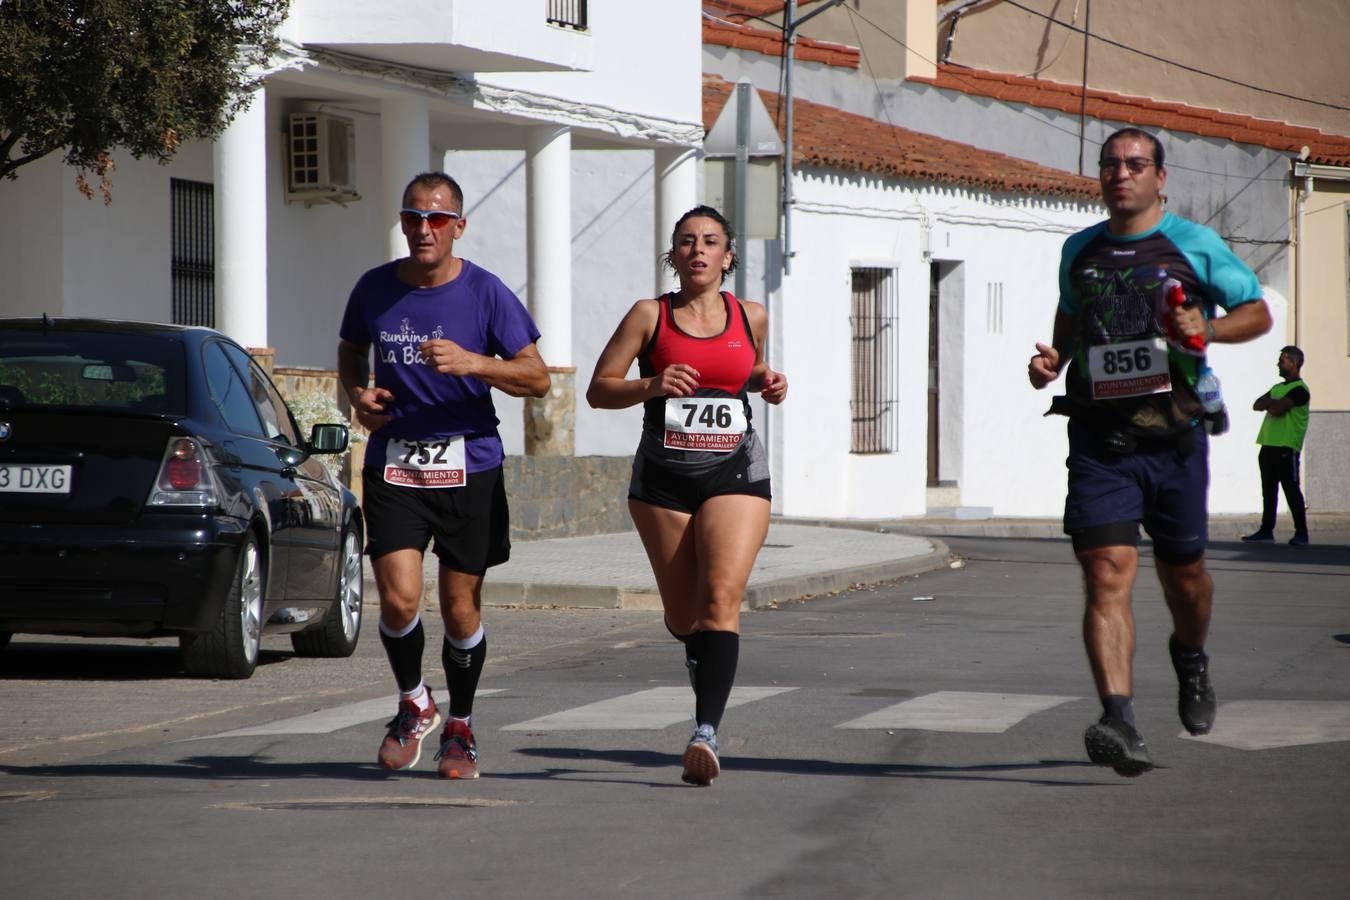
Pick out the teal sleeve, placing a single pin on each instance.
(1227, 280)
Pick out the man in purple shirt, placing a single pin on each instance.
(445, 332)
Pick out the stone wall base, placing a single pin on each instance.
(567, 496)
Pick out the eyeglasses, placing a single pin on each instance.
(1135, 164)
(436, 218)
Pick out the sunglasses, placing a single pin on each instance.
(436, 218)
(1135, 164)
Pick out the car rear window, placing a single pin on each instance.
(100, 370)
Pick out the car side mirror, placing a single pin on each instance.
(329, 439)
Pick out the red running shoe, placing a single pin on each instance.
(402, 746)
(458, 755)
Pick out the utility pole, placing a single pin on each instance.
(790, 25)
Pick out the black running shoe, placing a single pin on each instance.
(1196, 702)
(1115, 743)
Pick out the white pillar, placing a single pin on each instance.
(548, 189)
(239, 160)
(405, 146)
(676, 193)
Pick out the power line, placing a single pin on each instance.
(975, 88)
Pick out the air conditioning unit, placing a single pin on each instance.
(320, 158)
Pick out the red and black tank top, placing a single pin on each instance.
(699, 432)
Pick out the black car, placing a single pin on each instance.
(154, 482)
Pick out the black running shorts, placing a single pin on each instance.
(659, 486)
(471, 524)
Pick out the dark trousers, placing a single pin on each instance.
(1279, 469)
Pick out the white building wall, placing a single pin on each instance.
(843, 221)
(30, 244)
(316, 253)
(612, 210)
(642, 60)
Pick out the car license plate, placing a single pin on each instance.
(34, 479)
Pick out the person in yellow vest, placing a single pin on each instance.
(1281, 440)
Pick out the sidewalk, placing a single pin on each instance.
(800, 558)
(610, 571)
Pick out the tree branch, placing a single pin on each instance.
(7, 165)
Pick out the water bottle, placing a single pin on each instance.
(1211, 397)
(1209, 390)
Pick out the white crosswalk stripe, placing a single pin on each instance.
(654, 708)
(1241, 724)
(1268, 724)
(326, 721)
(959, 711)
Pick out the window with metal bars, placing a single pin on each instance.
(567, 13)
(194, 252)
(874, 401)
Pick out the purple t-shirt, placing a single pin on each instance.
(477, 312)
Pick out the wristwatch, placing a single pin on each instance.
(1209, 331)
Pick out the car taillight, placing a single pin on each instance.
(183, 469)
(184, 477)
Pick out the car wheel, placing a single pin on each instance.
(336, 634)
(230, 650)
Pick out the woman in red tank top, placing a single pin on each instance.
(700, 493)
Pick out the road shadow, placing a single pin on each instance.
(648, 759)
(1280, 554)
(80, 661)
(217, 768)
(261, 768)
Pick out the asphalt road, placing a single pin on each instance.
(916, 739)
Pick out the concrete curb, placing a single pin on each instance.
(766, 596)
(763, 594)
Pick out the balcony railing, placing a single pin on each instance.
(567, 13)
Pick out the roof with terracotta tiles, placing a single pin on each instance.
(1327, 149)
(770, 42)
(831, 138)
(739, 9)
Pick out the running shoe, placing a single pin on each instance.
(402, 746)
(1299, 540)
(458, 756)
(700, 757)
(1115, 743)
(1259, 537)
(1195, 695)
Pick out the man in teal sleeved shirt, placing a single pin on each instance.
(1138, 453)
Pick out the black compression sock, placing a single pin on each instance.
(405, 655)
(462, 669)
(714, 675)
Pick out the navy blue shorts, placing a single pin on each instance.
(1164, 486)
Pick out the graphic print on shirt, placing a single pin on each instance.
(401, 346)
(1126, 353)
